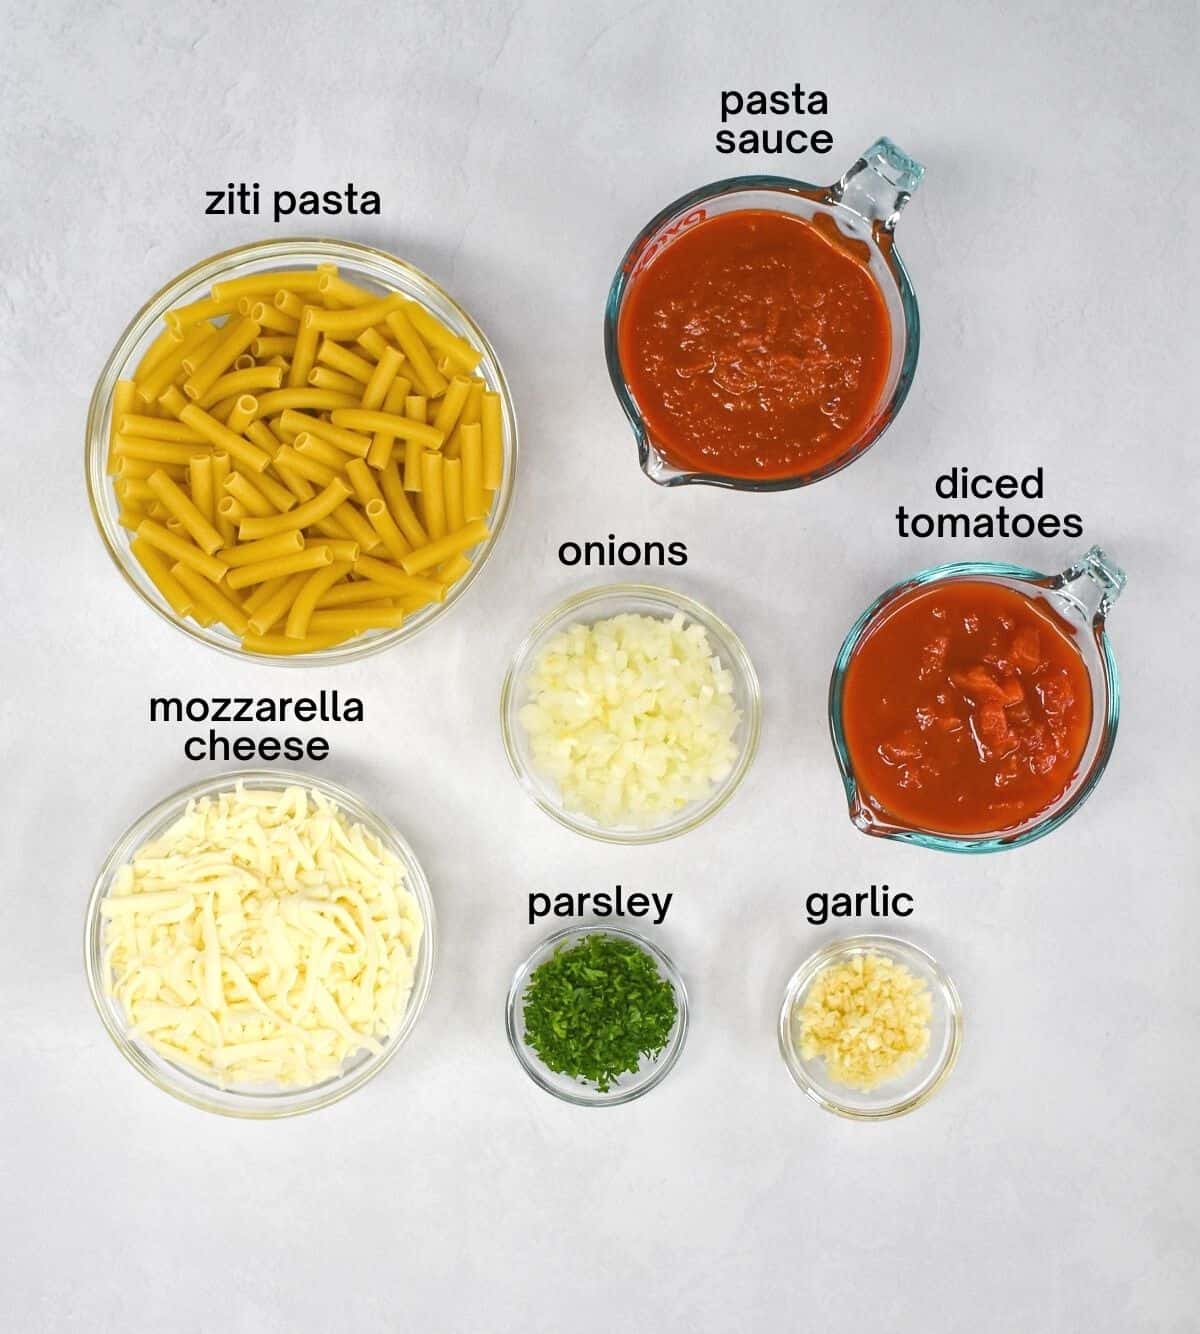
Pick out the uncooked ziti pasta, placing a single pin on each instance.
(303, 460)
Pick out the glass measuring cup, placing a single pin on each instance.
(860, 209)
(1083, 594)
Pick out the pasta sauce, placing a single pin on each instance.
(966, 709)
(755, 346)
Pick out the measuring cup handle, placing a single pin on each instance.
(1094, 582)
(879, 184)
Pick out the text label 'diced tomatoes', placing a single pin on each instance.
(755, 347)
(966, 709)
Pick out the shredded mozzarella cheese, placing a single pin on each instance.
(633, 717)
(264, 938)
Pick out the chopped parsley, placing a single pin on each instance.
(596, 1008)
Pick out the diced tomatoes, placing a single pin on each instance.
(967, 708)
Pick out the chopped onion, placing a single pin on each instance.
(633, 717)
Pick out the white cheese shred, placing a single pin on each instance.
(263, 939)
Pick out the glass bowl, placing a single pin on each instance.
(256, 1103)
(627, 1087)
(863, 205)
(915, 1086)
(370, 268)
(1083, 594)
(597, 604)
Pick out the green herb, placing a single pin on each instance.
(595, 1008)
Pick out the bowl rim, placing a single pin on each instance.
(209, 269)
(904, 950)
(286, 1102)
(748, 184)
(531, 1063)
(742, 664)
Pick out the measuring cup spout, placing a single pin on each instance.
(878, 185)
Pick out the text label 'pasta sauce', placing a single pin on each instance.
(966, 709)
(755, 347)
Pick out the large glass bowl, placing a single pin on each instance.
(629, 1086)
(916, 1085)
(598, 604)
(252, 1103)
(369, 268)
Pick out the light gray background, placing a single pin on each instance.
(1051, 1185)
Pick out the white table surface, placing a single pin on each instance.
(1051, 1185)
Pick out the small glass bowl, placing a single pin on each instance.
(627, 1087)
(598, 604)
(370, 268)
(915, 1086)
(257, 1103)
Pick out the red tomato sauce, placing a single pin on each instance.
(755, 347)
(966, 709)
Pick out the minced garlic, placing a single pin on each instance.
(867, 1018)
